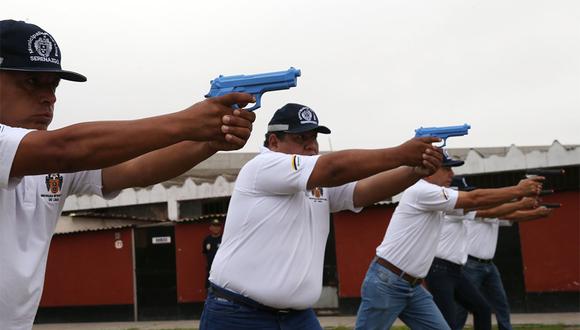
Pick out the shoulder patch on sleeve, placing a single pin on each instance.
(444, 194)
(296, 162)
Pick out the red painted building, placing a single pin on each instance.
(157, 270)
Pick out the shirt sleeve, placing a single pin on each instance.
(275, 173)
(10, 138)
(489, 220)
(341, 198)
(435, 198)
(90, 183)
(470, 216)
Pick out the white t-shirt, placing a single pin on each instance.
(453, 239)
(413, 233)
(29, 209)
(273, 244)
(482, 236)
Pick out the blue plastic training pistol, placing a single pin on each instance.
(255, 84)
(442, 132)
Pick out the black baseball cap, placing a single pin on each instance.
(295, 118)
(28, 48)
(461, 184)
(450, 162)
(215, 222)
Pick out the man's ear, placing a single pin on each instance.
(273, 142)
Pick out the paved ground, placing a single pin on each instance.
(326, 321)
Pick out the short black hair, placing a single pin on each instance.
(280, 135)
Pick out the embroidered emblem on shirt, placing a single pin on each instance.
(316, 194)
(54, 183)
(445, 194)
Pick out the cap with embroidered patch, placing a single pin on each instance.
(215, 222)
(28, 48)
(295, 118)
(450, 162)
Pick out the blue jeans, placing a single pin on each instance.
(449, 285)
(486, 278)
(386, 296)
(223, 314)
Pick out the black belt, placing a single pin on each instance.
(450, 265)
(483, 261)
(413, 281)
(245, 301)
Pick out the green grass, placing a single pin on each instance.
(517, 327)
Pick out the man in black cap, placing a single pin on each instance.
(446, 279)
(267, 273)
(40, 168)
(480, 243)
(392, 286)
(210, 245)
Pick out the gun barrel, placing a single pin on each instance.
(256, 84)
(545, 171)
(551, 205)
(443, 131)
(546, 192)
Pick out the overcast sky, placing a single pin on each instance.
(372, 70)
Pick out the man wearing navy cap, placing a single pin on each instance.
(40, 168)
(267, 273)
(480, 240)
(392, 287)
(210, 245)
(446, 279)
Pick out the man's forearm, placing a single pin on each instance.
(93, 145)
(345, 166)
(482, 198)
(526, 215)
(496, 212)
(157, 166)
(383, 185)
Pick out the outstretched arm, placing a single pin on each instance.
(101, 144)
(337, 168)
(507, 208)
(167, 163)
(482, 198)
(527, 215)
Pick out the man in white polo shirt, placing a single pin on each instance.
(392, 287)
(446, 279)
(481, 244)
(267, 273)
(40, 168)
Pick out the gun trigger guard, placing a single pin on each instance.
(258, 102)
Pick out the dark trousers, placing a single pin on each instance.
(486, 277)
(449, 286)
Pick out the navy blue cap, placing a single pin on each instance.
(295, 118)
(450, 162)
(28, 48)
(461, 184)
